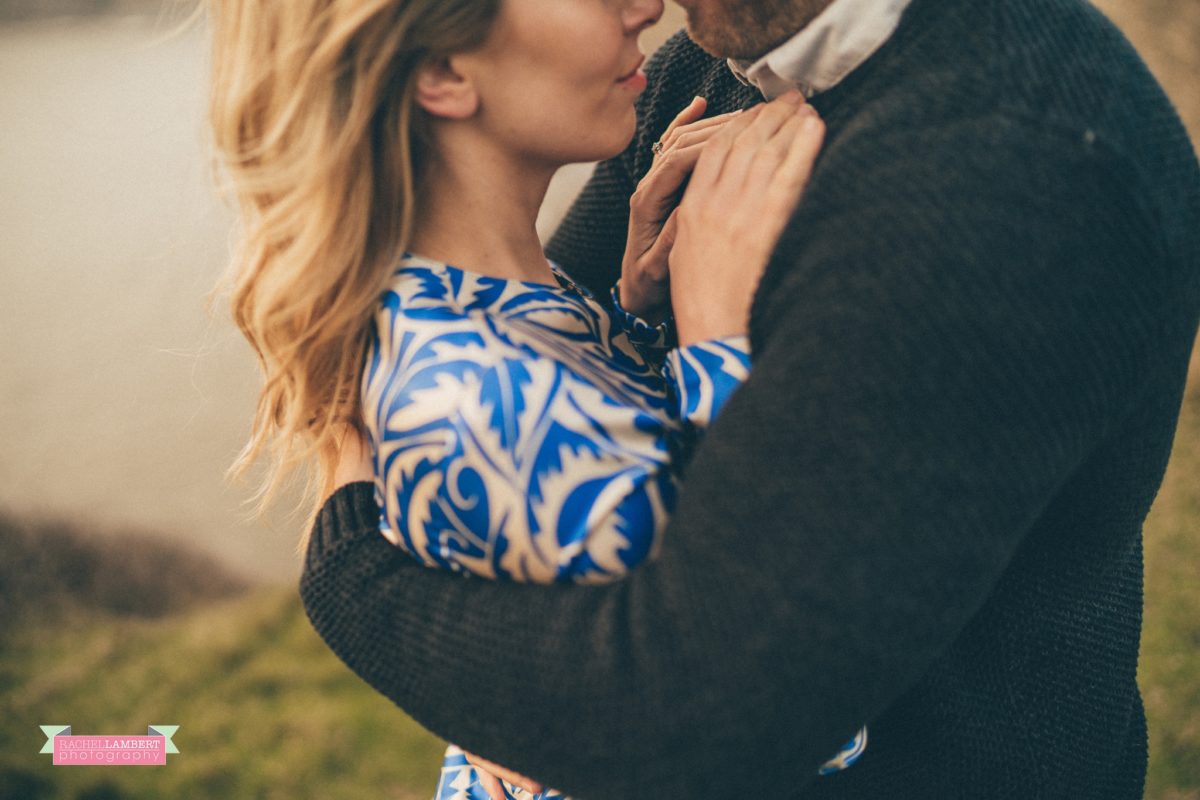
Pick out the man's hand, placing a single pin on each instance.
(491, 774)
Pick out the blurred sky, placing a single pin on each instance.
(121, 401)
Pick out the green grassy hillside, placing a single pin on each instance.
(264, 709)
(1169, 669)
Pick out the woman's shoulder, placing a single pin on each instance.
(454, 316)
(422, 289)
(425, 297)
(441, 325)
(433, 308)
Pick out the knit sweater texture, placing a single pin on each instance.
(923, 510)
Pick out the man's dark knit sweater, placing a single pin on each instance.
(923, 510)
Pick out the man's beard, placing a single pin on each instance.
(748, 29)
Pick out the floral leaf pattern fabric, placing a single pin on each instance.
(523, 431)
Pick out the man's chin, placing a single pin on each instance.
(749, 29)
(703, 43)
(716, 41)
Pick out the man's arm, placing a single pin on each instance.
(944, 336)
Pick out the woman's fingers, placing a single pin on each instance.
(743, 189)
(669, 168)
(656, 259)
(690, 134)
(796, 168)
(680, 149)
(691, 137)
(760, 141)
(657, 189)
(763, 169)
(491, 784)
(490, 774)
(657, 192)
(708, 168)
(674, 134)
(691, 113)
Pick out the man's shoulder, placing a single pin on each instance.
(1031, 89)
(1061, 61)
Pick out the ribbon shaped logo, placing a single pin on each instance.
(148, 750)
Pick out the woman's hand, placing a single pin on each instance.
(743, 190)
(644, 272)
(490, 774)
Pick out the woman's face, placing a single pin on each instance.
(557, 79)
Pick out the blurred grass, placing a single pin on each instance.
(264, 709)
(1169, 669)
(52, 569)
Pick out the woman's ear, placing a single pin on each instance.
(444, 92)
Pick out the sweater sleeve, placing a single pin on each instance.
(947, 330)
(652, 341)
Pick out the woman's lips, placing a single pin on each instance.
(634, 79)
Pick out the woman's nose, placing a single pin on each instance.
(639, 14)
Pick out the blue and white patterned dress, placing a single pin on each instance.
(524, 431)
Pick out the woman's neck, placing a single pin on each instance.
(478, 210)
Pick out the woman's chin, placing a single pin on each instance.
(621, 136)
(603, 141)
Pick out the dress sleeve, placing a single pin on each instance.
(702, 376)
(497, 460)
(652, 341)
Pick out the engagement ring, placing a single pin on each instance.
(657, 147)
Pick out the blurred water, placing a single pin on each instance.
(121, 402)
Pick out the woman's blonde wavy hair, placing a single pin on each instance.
(320, 141)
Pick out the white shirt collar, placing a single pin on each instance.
(826, 50)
